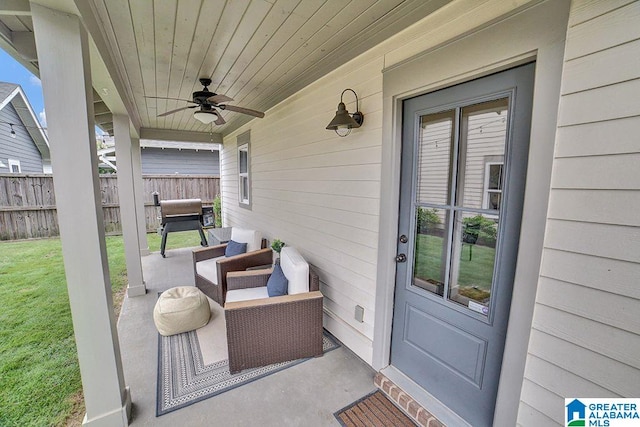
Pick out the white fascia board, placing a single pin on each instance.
(9, 98)
(153, 143)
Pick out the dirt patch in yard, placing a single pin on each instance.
(118, 299)
(77, 412)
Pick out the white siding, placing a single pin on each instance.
(585, 339)
(321, 193)
(318, 192)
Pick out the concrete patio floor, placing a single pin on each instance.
(306, 394)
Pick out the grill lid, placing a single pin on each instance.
(177, 208)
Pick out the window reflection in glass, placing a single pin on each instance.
(493, 191)
(459, 264)
(482, 147)
(474, 254)
(431, 250)
(434, 157)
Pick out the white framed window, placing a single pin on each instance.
(14, 166)
(492, 194)
(244, 170)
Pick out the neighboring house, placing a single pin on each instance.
(24, 146)
(169, 157)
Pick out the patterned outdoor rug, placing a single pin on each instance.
(373, 410)
(184, 379)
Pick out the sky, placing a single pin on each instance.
(12, 71)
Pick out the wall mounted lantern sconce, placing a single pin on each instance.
(343, 122)
(13, 132)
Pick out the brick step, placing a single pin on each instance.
(406, 403)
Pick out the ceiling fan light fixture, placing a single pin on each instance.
(205, 117)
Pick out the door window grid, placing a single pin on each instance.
(461, 227)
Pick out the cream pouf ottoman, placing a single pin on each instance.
(181, 309)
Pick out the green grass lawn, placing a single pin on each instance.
(39, 373)
(477, 272)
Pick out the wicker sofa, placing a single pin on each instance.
(210, 266)
(270, 330)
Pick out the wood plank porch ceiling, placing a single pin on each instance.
(258, 52)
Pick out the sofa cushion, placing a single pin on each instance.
(277, 285)
(235, 248)
(295, 269)
(246, 294)
(208, 269)
(252, 238)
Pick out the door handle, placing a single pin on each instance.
(401, 258)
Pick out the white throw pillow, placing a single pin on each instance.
(252, 238)
(295, 269)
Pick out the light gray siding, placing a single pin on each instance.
(21, 148)
(585, 339)
(165, 161)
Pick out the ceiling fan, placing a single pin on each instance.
(208, 104)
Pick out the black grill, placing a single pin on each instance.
(181, 215)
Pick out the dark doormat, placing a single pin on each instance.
(373, 410)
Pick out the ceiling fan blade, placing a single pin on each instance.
(243, 110)
(220, 120)
(176, 110)
(217, 99)
(175, 99)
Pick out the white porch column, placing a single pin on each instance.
(63, 57)
(127, 199)
(136, 161)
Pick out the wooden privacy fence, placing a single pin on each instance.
(28, 205)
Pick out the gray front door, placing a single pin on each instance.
(464, 162)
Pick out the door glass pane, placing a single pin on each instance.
(473, 260)
(434, 157)
(431, 250)
(483, 139)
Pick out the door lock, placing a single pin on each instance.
(401, 258)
